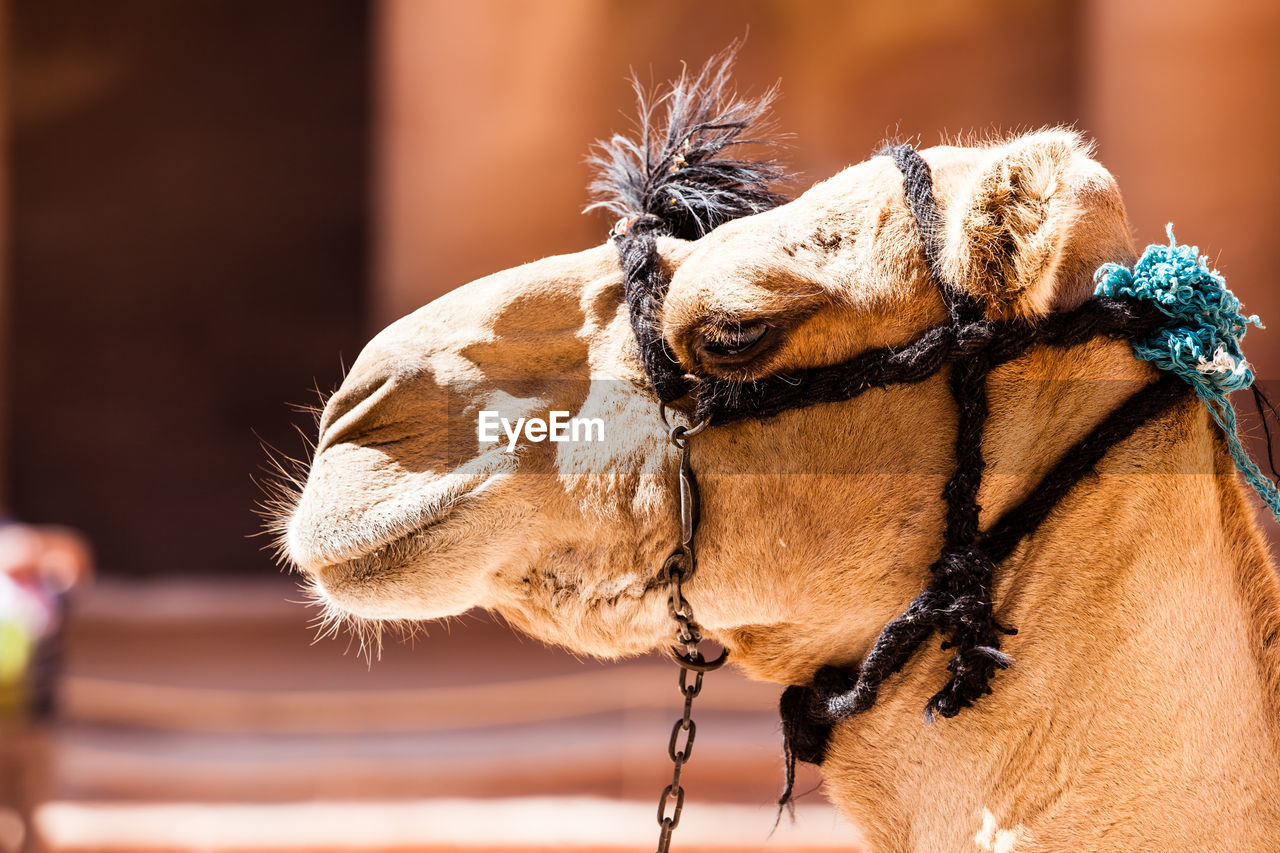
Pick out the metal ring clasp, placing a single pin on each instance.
(695, 662)
(685, 431)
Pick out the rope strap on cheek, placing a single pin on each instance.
(810, 711)
(645, 289)
(958, 600)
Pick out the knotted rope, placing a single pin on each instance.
(1200, 343)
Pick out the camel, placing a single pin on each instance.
(1142, 708)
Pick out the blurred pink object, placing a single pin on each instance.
(38, 565)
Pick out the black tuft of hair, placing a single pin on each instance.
(674, 169)
(672, 179)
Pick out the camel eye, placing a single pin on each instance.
(721, 347)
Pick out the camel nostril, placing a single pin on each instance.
(345, 402)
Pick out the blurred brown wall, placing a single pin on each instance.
(486, 110)
(1184, 99)
(4, 256)
(189, 185)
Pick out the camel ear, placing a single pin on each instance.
(1007, 231)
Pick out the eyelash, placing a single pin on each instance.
(733, 348)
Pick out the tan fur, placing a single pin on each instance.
(1142, 710)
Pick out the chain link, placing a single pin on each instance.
(678, 568)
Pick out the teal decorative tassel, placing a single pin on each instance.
(1201, 341)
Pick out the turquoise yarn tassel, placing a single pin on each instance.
(1201, 341)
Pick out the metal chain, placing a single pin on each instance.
(679, 567)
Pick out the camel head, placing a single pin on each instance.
(407, 515)
(818, 524)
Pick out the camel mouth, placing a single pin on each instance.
(387, 557)
(433, 559)
(422, 525)
(372, 585)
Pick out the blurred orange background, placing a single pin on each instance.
(209, 205)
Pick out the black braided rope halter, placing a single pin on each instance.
(674, 183)
(957, 603)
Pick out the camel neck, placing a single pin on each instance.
(1140, 711)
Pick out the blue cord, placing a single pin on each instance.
(1201, 341)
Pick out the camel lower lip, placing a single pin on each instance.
(388, 556)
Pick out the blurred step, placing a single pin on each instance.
(619, 688)
(737, 759)
(516, 824)
(201, 706)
